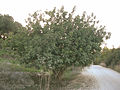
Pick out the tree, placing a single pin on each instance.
(7, 25)
(111, 57)
(102, 57)
(60, 39)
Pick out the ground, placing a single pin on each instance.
(95, 77)
(106, 79)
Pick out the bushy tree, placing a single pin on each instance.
(58, 40)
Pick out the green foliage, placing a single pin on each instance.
(104, 54)
(111, 57)
(61, 40)
(8, 25)
(114, 58)
(56, 40)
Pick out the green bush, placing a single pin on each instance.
(111, 57)
(60, 43)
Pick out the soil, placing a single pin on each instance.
(83, 81)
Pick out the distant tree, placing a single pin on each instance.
(102, 57)
(7, 25)
(113, 58)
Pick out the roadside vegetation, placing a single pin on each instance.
(48, 48)
(109, 58)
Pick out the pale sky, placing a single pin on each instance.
(107, 12)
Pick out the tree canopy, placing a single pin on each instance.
(57, 39)
(7, 25)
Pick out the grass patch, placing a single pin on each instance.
(71, 73)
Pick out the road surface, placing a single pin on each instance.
(106, 79)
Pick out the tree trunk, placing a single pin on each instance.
(58, 73)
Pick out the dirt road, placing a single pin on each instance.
(106, 79)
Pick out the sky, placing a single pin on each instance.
(106, 11)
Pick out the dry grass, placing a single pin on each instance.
(82, 82)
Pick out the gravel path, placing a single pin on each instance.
(106, 79)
